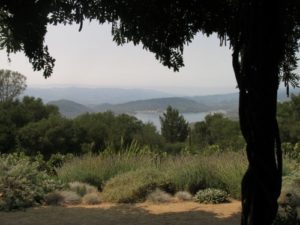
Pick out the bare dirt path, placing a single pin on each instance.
(177, 213)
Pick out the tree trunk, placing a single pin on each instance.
(256, 59)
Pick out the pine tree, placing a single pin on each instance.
(174, 127)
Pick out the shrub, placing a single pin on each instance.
(57, 160)
(54, 198)
(183, 196)
(159, 196)
(92, 199)
(194, 172)
(96, 170)
(134, 186)
(286, 216)
(21, 183)
(186, 172)
(211, 195)
(82, 188)
(70, 197)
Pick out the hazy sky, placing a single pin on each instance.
(91, 58)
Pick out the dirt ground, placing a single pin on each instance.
(177, 213)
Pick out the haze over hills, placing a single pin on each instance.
(70, 109)
(94, 96)
(157, 105)
(75, 101)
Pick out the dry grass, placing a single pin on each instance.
(183, 196)
(159, 196)
(70, 197)
(93, 198)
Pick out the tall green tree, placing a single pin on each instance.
(174, 127)
(216, 129)
(18, 113)
(12, 84)
(263, 35)
(288, 115)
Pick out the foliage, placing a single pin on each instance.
(216, 129)
(81, 188)
(12, 84)
(288, 115)
(194, 172)
(174, 148)
(183, 196)
(174, 127)
(49, 136)
(54, 198)
(134, 186)
(97, 169)
(185, 172)
(70, 197)
(210, 195)
(149, 136)
(103, 130)
(159, 196)
(16, 114)
(21, 183)
(92, 198)
(31, 127)
(291, 150)
(166, 41)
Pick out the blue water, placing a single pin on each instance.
(154, 117)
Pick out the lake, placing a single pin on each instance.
(154, 117)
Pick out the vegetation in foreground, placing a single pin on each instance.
(126, 177)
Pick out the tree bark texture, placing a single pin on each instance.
(256, 57)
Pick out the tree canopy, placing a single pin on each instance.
(174, 127)
(12, 84)
(162, 27)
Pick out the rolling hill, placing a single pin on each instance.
(69, 108)
(158, 105)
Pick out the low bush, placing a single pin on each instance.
(134, 186)
(186, 172)
(22, 184)
(159, 196)
(97, 169)
(70, 197)
(54, 198)
(92, 198)
(211, 195)
(286, 216)
(82, 188)
(194, 172)
(183, 196)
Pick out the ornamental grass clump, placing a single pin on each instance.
(183, 196)
(93, 198)
(54, 198)
(134, 186)
(211, 195)
(70, 197)
(82, 188)
(159, 196)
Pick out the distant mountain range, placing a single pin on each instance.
(70, 109)
(184, 105)
(94, 96)
(75, 101)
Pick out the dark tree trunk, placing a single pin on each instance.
(256, 58)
